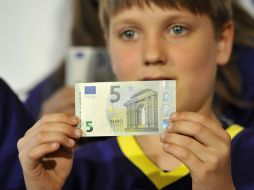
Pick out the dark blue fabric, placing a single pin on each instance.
(102, 165)
(245, 64)
(242, 160)
(14, 122)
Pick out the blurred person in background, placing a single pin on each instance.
(15, 120)
(52, 94)
(243, 60)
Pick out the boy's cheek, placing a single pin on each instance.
(122, 72)
(124, 64)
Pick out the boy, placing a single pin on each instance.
(152, 40)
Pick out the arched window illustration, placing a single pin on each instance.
(142, 111)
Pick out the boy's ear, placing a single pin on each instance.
(225, 43)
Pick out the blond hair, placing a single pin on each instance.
(220, 11)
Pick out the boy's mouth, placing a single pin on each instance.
(157, 78)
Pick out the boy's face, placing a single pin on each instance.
(151, 43)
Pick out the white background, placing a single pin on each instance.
(34, 36)
(248, 5)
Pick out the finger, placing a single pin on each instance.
(70, 131)
(61, 118)
(212, 124)
(55, 118)
(195, 130)
(185, 156)
(50, 137)
(42, 150)
(61, 152)
(21, 144)
(30, 158)
(188, 143)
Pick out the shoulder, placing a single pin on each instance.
(243, 143)
(244, 56)
(242, 159)
(14, 122)
(243, 53)
(6, 91)
(243, 146)
(12, 110)
(244, 139)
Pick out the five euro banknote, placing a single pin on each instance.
(124, 108)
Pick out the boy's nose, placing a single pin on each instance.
(154, 53)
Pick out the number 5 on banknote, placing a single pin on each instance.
(125, 108)
(89, 126)
(115, 96)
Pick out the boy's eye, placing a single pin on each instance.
(178, 30)
(129, 34)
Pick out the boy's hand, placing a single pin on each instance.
(46, 151)
(62, 101)
(204, 147)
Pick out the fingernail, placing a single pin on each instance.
(173, 116)
(78, 132)
(54, 145)
(74, 119)
(170, 125)
(163, 136)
